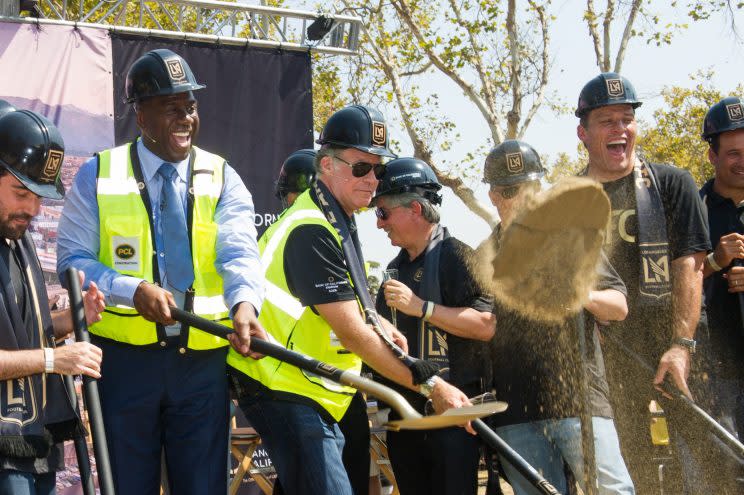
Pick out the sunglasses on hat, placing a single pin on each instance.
(360, 169)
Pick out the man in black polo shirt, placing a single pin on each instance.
(445, 318)
(35, 413)
(723, 129)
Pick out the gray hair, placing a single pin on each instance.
(324, 150)
(428, 210)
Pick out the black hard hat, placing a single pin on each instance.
(297, 173)
(359, 127)
(512, 162)
(158, 73)
(32, 149)
(410, 175)
(5, 107)
(608, 88)
(726, 115)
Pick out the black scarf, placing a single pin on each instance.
(35, 411)
(420, 370)
(655, 285)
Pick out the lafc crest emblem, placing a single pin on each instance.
(615, 88)
(52, 165)
(175, 71)
(514, 162)
(379, 134)
(656, 270)
(735, 111)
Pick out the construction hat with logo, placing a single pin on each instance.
(158, 73)
(297, 173)
(608, 88)
(32, 149)
(358, 127)
(726, 115)
(512, 162)
(5, 107)
(410, 175)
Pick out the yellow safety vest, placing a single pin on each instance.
(295, 326)
(127, 245)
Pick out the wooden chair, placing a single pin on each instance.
(243, 443)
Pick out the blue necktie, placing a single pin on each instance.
(179, 269)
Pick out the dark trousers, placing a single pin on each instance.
(435, 462)
(355, 427)
(155, 399)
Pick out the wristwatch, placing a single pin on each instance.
(689, 344)
(427, 388)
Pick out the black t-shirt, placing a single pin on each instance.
(536, 367)
(648, 330)
(458, 289)
(724, 315)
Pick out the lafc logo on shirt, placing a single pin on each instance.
(176, 72)
(656, 270)
(615, 88)
(514, 162)
(378, 133)
(52, 165)
(735, 111)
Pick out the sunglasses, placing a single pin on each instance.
(360, 169)
(508, 192)
(384, 213)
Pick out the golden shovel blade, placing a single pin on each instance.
(450, 417)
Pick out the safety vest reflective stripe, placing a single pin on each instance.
(127, 246)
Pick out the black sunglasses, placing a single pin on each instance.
(360, 169)
(384, 213)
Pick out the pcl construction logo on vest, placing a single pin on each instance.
(126, 254)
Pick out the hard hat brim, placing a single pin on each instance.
(48, 191)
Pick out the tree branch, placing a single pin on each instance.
(418, 71)
(591, 21)
(514, 115)
(404, 11)
(627, 34)
(606, 25)
(545, 69)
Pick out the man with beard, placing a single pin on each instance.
(445, 319)
(35, 412)
(311, 306)
(657, 242)
(159, 223)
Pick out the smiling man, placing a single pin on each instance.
(445, 318)
(312, 307)
(159, 223)
(657, 242)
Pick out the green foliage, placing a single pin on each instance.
(566, 165)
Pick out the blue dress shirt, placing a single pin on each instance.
(238, 260)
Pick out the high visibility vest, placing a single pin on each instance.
(295, 326)
(127, 245)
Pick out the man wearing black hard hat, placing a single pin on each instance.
(159, 223)
(295, 176)
(310, 254)
(657, 242)
(723, 129)
(445, 319)
(35, 413)
(536, 366)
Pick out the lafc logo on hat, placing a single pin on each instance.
(514, 162)
(735, 111)
(615, 87)
(176, 72)
(52, 165)
(378, 133)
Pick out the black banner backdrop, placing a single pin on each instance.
(255, 110)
